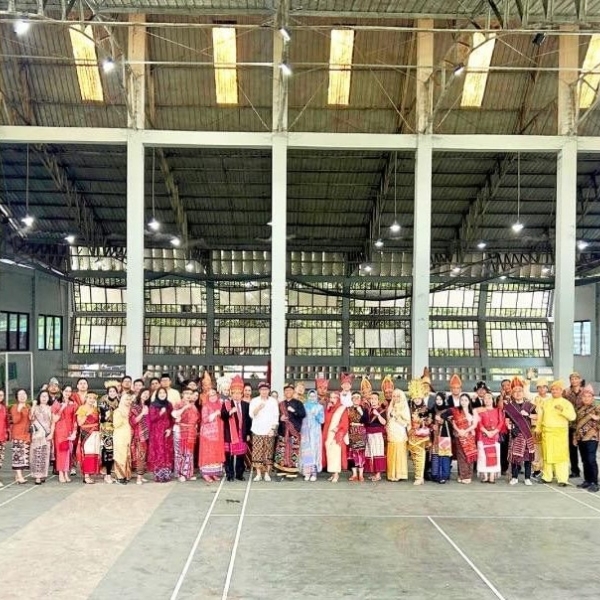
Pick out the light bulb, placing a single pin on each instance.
(189, 266)
(395, 227)
(28, 220)
(378, 243)
(285, 69)
(545, 270)
(70, 239)
(481, 245)
(21, 27)
(459, 69)
(176, 242)
(368, 268)
(285, 35)
(582, 245)
(456, 270)
(518, 227)
(154, 224)
(108, 65)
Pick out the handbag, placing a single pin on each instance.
(422, 432)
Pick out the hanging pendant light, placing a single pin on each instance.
(28, 219)
(395, 226)
(517, 226)
(153, 224)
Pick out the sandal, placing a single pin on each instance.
(375, 478)
(353, 478)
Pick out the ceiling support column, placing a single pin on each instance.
(422, 205)
(136, 85)
(279, 207)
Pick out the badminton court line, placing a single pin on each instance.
(190, 557)
(573, 498)
(21, 493)
(236, 542)
(468, 561)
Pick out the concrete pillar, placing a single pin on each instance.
(568, 64)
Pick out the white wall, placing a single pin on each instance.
(35, 293)
(585, 309)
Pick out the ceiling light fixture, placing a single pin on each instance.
(70, 239)
(108, 65)
(378, 243)
(545, 270)
(21, 27)
(456, 270)
(481, 245)
(175, 241)
(395, 226)
(286, 70)
(367, 268)
(503, 277)
(517, 227)
(189, 266)
(285, 35)
(153, 224)
(582, 245)
(27, 220)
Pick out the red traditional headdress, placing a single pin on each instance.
(347, 378)
(455, 380)
(237, 384)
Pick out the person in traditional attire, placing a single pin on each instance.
(335, 437)
(122, 435)
(574, 395)
(78, 397)
(542, 394)
(106, 406)
(236, 429)
(4, 428)
(419, 434)
(554, 415)
(441, 444)
(212, 443)
(491, 424)
(65, 430)
(431, 395)
(20, 435)
(504, 397)
(505, 391)
(464, 423)
(160, 442)
(322, 386)
(453, 397)
(42, 427)
(479, 392)
(311, 437)
(346, 393)
(54, 393)
(521, 449)
(299, 392)
(587, 434)
(287, 447)
(397, 422)
(88, 420)
(375, 426)
(387, 387)
(140, 433)
(264, 412)
(358, 416)
(185, 433)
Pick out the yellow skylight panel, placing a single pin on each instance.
(591, 68)
(225, 59)
(478, 65)
(340, 65)
(86, 63)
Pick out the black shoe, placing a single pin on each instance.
(574, 475)
(229, 478)
(240, 478)
(584, 485)
(562, 485)
(442, 481)
(593, 488)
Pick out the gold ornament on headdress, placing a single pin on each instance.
(112, 383)
(416, 389)
(387, 384)
(365, 387)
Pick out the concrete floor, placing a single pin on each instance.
(295, 540)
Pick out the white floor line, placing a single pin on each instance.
(236, 542)
(441, 490)
(595, 508)
(190, 557)
(468, 561)
(5, 487)
(447, 517)
(30, 489)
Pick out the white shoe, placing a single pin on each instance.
(513, 481)
(258, 478)
(306, 478)
(1, 484)
(528, 482)
(313, 477)
(267, 477)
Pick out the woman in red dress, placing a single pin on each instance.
(63, 413)
(160, 444)
(212, 441)
(185, 431)
(88, 420)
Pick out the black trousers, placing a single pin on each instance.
(234, 465)
(588, 458)
(516, 469)
(504, 454)
(573, 456)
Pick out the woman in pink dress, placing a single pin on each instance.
(160, 444)
(88, 419)
(63, 414)
(212, 441)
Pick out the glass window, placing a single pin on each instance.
(517, 339)
(582, 338)
(49, 332)
(14, 331)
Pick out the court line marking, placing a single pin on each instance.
(409, 490)
(594, 508)
(468, 561)
(450, 517)
(236, 542)
(33, 487)
(190, 557)
(5, 487)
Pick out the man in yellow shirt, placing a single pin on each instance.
(554, 415)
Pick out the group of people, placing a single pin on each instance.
(222, 428)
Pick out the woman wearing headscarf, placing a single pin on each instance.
(419, 434)
(441, 446)
(464, 423)
(106, 406)
(88, 419)
(20, 435)
(311, 445)
(122, 439)
(335, 432)
(65, 430)
(358, 415)
(160, 443)
(42, 432)
(398, 419)
(138, 419)
(491, 424)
